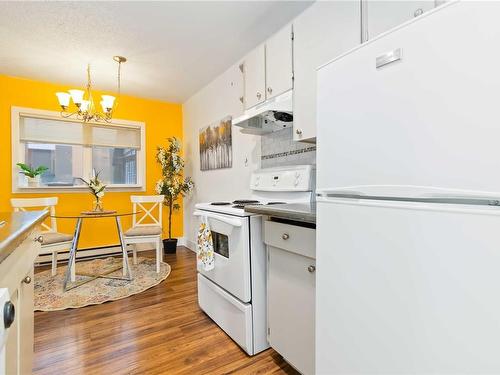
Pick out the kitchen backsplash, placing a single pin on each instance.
(279, 148)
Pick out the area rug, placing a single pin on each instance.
(49, 295)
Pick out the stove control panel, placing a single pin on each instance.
(292, 178)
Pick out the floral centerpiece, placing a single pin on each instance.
(97, 189)
(172, 184)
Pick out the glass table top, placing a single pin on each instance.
(94, 215)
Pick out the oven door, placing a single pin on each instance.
(231, 240)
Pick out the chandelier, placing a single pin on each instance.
(86, 110)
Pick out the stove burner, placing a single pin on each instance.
(271, 203)
(242, 205)
(220, 203)
(245, 201)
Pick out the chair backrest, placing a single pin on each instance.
(148, 205)
(49, 204)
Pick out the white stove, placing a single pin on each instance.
(233, 294)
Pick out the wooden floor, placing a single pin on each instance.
(159, 331)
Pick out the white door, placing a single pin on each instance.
(407, 288)
(384, 15)
(4, 332)
(428, 120)
(322, 32)
(236, 86)
(291, 307)
(230, 236)
(279, 59)
(255, 77)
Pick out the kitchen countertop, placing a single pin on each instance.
(292, 211)
(16, 228)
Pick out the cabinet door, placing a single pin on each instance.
(255, 77)
(322, 32)
(279, 61)
(12, 344)
(235, 85)
(291, 307)
(26, 323)
(384, 15)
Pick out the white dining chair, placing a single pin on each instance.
(53, 241)
(146, 225)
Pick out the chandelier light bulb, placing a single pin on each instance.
(84, 106)
(103, 105)
(107, 102)
(77, 96)
(63, 98)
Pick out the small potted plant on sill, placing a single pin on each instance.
(32, 174)
(172, 184)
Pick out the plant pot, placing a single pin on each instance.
(33, 181)
(170, 245)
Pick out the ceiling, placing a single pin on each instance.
(173, 48)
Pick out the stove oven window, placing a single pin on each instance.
(221, 244)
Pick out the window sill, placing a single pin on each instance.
(76, 189)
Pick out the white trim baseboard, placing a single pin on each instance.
(191, 245)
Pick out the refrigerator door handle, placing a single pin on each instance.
(438, 200)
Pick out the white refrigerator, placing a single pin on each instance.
(408, 183)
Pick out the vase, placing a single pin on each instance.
(33, 181)
(98, 207)
(170, 245)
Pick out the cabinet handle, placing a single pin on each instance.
(298, 131)
(259, 95)
(285, 236)
(9, 314)
(39, 239)
(242, 99)
(311, 268)
(269, 90)
(27, 280)
(418, 12)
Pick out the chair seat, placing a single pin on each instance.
(146, 230)
(51, 238)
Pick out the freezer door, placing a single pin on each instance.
(427, 120)
(407, 288)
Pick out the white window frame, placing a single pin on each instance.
(18, 154)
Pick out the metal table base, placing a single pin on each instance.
(71, 273)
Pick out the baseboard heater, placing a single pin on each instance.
(84, 254)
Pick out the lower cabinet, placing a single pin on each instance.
(16, 275)
(291, 284)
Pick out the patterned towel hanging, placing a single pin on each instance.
(205, 246)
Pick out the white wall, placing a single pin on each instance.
(215, 101)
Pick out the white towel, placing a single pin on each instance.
(205, 256)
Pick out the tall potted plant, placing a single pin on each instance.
(172, 184)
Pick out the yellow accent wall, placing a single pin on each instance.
(162, 120)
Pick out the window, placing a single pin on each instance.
(116, 165)
(65, 162)
(71, 150)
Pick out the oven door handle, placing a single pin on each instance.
(232, 222)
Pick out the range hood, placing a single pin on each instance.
(272, 115)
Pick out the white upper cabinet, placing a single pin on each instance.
(279, 71)
(384, 15)
(236, 86)
(255, 77)
(322, 32)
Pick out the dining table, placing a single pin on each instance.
(70, 275)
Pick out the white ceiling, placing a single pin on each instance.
(173, 48)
